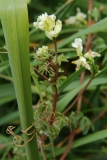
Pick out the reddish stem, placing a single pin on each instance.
(42, 75)
(54, 105)
(56, 93)
(71, 138)
(88, 45)
(80, 93)
(55, 67)
(80, 98)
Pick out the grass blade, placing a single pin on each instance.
(14, 20)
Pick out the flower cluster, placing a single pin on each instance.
(47, 23)
(84, 60)
(79, 17)
(42, 51)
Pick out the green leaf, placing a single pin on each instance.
(70, 79)
(96, 81)
(35, 78)
(100, 135)
(9, 117)
(84, 124)
(14, 20)
(68, 97)
(4, 66)
(63, 10)
(62, 103)
(95, 14)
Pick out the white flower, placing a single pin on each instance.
(80, 16)
(78, 45)
(57, 27)
(55, 31)
(71, 20)
(81, 62)
(42, 51)
(50, 34)
(91, 54)
(45, 22)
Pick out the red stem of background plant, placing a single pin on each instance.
(79, 97)
(87, 47)
(80, 93)
(71, 137)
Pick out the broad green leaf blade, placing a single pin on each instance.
(90, 138)
(100, 135)
(94, 83)
(14, 20)
(62, 103)
(99, 26)
(4, 100)
(7, 90)
(69, 96)
(9, 117)
(3, 66)
(70, 79)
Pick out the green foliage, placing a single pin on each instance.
(91, 120)
(12, 15)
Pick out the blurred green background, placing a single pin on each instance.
(94, 103)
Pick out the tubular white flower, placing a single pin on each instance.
(91, 54)
(35, 24)
(81, 62)
(57, 27)
(45, 22)
(78, 45)
(71, 20)
(50, 34)
(80, 16)
(55, 32)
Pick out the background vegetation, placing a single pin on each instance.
(93, 145)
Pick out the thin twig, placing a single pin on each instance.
(80, 98)
(42, 75)
(91, 78)
(71, 138)
(101, 114)
(55, 68)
